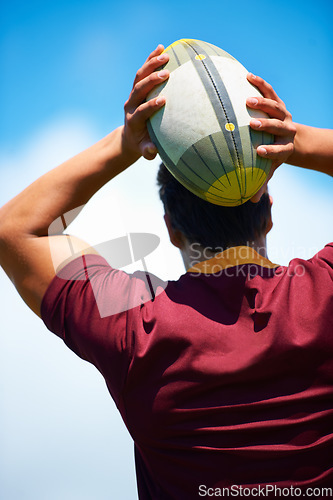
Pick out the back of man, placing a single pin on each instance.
(225, 379)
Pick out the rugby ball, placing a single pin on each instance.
(202, 134)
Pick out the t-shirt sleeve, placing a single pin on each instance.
(92, 307)
(324, 259)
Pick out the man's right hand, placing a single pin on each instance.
(279, 124)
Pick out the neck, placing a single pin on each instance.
(192, 253)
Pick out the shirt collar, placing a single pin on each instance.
(231, 257)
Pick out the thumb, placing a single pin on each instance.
(255, 198)
(148, 150)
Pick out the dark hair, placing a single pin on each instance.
(212, 226)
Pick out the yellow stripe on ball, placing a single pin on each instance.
(177, 42)
(239, 186)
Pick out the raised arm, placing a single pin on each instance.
(313, 149)
(25, 252)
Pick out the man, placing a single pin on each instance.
(224, 378)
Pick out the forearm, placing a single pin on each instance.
(313, 149)
(66, 187)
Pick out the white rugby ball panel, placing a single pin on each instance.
(234, 78)
(180, 124)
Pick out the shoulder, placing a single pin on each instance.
(305, 287)
(324, 258)
(321, 264)
(90, 278)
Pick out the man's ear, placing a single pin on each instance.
(270, 222)
(176, 237)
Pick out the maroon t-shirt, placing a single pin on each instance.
(224, 378)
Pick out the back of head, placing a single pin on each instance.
(212, 226)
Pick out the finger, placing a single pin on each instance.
(150, 66)
(255, 198)
(159, 49)
(276, 151)
(145, 111)
(272, 107)
(143, 87)
(265, 88)
(273, 126)
(148, 150)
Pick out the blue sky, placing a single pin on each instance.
(66, 69)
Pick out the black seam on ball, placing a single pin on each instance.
(221, 102)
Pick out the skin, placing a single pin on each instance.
(31, 253)
(179, 240)
(280, 124)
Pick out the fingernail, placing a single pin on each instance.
(151, 149)
(255, 123)
(163, 73)
(160, 100)
(253, 101)
(262, 150)
(251, 75)
(162, 57)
